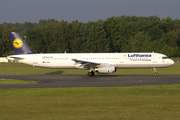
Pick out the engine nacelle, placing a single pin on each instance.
(106, 69)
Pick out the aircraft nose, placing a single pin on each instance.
(171, 62)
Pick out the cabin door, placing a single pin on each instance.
(155, 59)
(121, 59)
(35, 60)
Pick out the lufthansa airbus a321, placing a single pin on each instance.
(98, 62)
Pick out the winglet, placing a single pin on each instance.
(19, 46)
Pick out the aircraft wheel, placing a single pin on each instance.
(155, 74)
(91, 73)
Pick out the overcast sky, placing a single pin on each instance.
(12, 11)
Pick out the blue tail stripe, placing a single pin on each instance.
(19, 46)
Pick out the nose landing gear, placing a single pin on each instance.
(154, 72)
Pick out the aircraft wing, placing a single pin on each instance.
(85, 64)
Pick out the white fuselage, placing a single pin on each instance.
(118, 60)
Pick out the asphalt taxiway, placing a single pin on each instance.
(57, 81)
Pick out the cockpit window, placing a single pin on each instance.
(165, 58)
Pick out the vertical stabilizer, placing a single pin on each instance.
(19, 46)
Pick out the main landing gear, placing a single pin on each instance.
(154, 71)
(91, 73)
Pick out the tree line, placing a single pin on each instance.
(115, 34)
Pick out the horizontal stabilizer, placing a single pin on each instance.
(15, 57)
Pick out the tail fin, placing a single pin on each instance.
(19, 46)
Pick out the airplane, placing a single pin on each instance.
(98, 62)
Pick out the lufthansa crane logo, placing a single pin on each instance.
(17, 43)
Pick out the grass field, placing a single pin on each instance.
(17, 68)
(157, 102)
(17, 82)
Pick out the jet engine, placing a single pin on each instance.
(105, 69)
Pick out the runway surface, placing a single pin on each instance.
(56, 81)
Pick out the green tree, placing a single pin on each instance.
(111, 27)
(168, 23)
